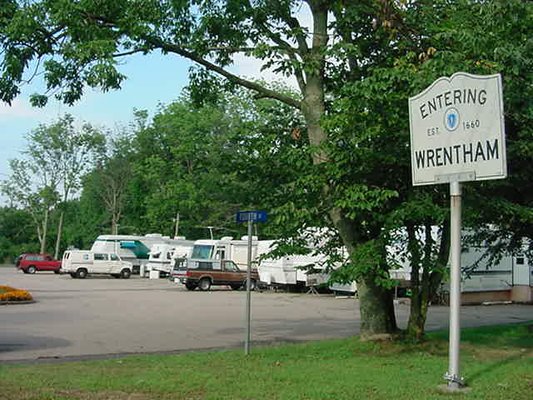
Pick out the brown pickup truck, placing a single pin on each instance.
(202, 274)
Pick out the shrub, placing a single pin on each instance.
(7, 293)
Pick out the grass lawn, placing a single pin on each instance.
(496, 361)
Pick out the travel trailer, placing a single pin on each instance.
(509, 279)
(135, 249)
(81, 263)
(294, 270)
(162, 256)
(228, 248)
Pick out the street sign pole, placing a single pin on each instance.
(250, 217)
(453, 375)
(248, 291)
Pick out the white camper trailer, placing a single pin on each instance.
(162, 256)
(293, 270)
(228, 248)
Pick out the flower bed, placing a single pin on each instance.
(9, 294)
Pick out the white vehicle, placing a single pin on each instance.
(302, 270)
(162, 256)
(228, 248)
(507, 279)
(80, 263)
(135, 249)
(293, 270)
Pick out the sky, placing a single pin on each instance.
(152, 79)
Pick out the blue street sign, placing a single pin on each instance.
(254, 216)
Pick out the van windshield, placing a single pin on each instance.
(202, 251)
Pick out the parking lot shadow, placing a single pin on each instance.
(27, 343)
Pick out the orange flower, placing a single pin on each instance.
(8, 293)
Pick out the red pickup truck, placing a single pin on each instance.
(29, 263)
(202, 274)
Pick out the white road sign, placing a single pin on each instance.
(457, 130)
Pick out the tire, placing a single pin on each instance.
(56, 272)
(31, 269)
(81, 273)
(205, 284)
(116, 276)
(253, 284)
(72, 274)
(235, 286)
(125, 273)
(190, 286)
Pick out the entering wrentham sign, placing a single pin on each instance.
(457, 130)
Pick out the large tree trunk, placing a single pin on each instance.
(377, 310)
(376, 303)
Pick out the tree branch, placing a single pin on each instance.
(172, 48)
(291, 53)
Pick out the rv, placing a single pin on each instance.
(294, 270)
(162, 256)
(135, 249)
(228, 248)
(80, 263)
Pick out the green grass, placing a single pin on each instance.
(497, 363)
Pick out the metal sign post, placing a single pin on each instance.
(457, 135)
(453, 376)
(250, 217)
(248, 291)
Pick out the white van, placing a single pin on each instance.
(80, 263)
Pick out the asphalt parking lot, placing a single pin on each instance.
(101, 316)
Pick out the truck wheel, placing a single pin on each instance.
(253, 284)
(81, 273)
(72, 274)
(235, 286)
(125, 273)
(204, 284)
(190, 286)
(31, 269)
(56, 271)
